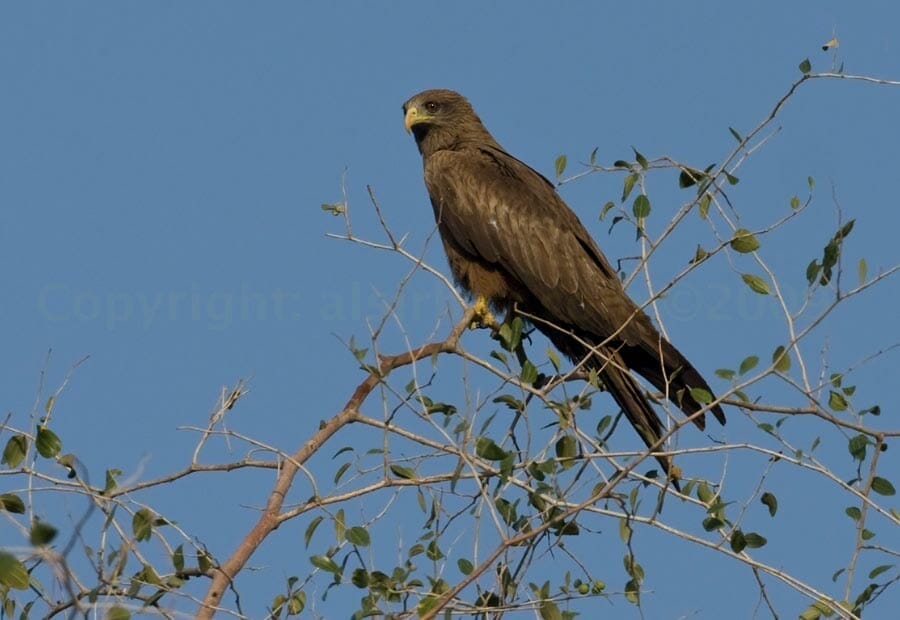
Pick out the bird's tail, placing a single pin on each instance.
(625, 390)
(634, 404)
(660, 363)
(672, 374)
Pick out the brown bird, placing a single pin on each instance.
(512, 241)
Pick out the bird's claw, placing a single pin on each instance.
(483, 317)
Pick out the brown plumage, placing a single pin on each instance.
(511, 240)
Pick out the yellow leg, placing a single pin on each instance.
(483, 315)
(674, 472)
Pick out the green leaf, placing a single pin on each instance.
(529, 373)
(633, 592)
(325, 563)
(603, 424)
(605, 209)
(624, 530)
(864, 597)
(117, 612)
(857, 447)
(407, 473)
(688, 177)
(41, 533)
(770, 501)
(699, 255)
(632, 568)
(795, 203)
(805, 66)
(340, 472)
(725, 373)
(487, 449)
(10, 502)
(507, 510)
(874, 410)
(335, 208)
(13, 573)
(297, 603)
(142, 524)
(410, 388)
(204, 561)
(593, 158)
(756, 284)
(837, 401)
(710, 524)
(358, 536)
(15, 450)
(781, 359)
(844, 231)
(736, 135)
(704, 493)
(882, 486)
(549, 611)
(641, 207)
(732, 180)
(278, 605)
(566, 450)
(48, 444)
(178, 558)
(701, 396)
(510, 333)
(510, 401)
(880, 569)
(111, 480)
(559, 166)
(465, 566)
(812, 271)
(744, 241)
(340, 525)
(748, 364)
(554, 359)
(68, 461)
(311, 529)
(861, 271)
(810, 613)
(640, 159)
(754, 540)
(703, 206)
(629, 185)
(853, 512)
(738, 541)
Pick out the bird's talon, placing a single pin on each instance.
(674, 473)
(483, 315)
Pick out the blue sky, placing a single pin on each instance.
(164, 164)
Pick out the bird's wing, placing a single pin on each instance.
(498, 209)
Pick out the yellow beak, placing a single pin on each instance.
(413, 117)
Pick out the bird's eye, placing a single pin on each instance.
(432, 106)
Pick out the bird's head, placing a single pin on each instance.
(440, 119)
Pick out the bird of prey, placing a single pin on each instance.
(513, 243)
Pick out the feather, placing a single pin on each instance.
(510, 238)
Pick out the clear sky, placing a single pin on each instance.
(162, 167)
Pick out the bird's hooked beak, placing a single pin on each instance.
(413, 117)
